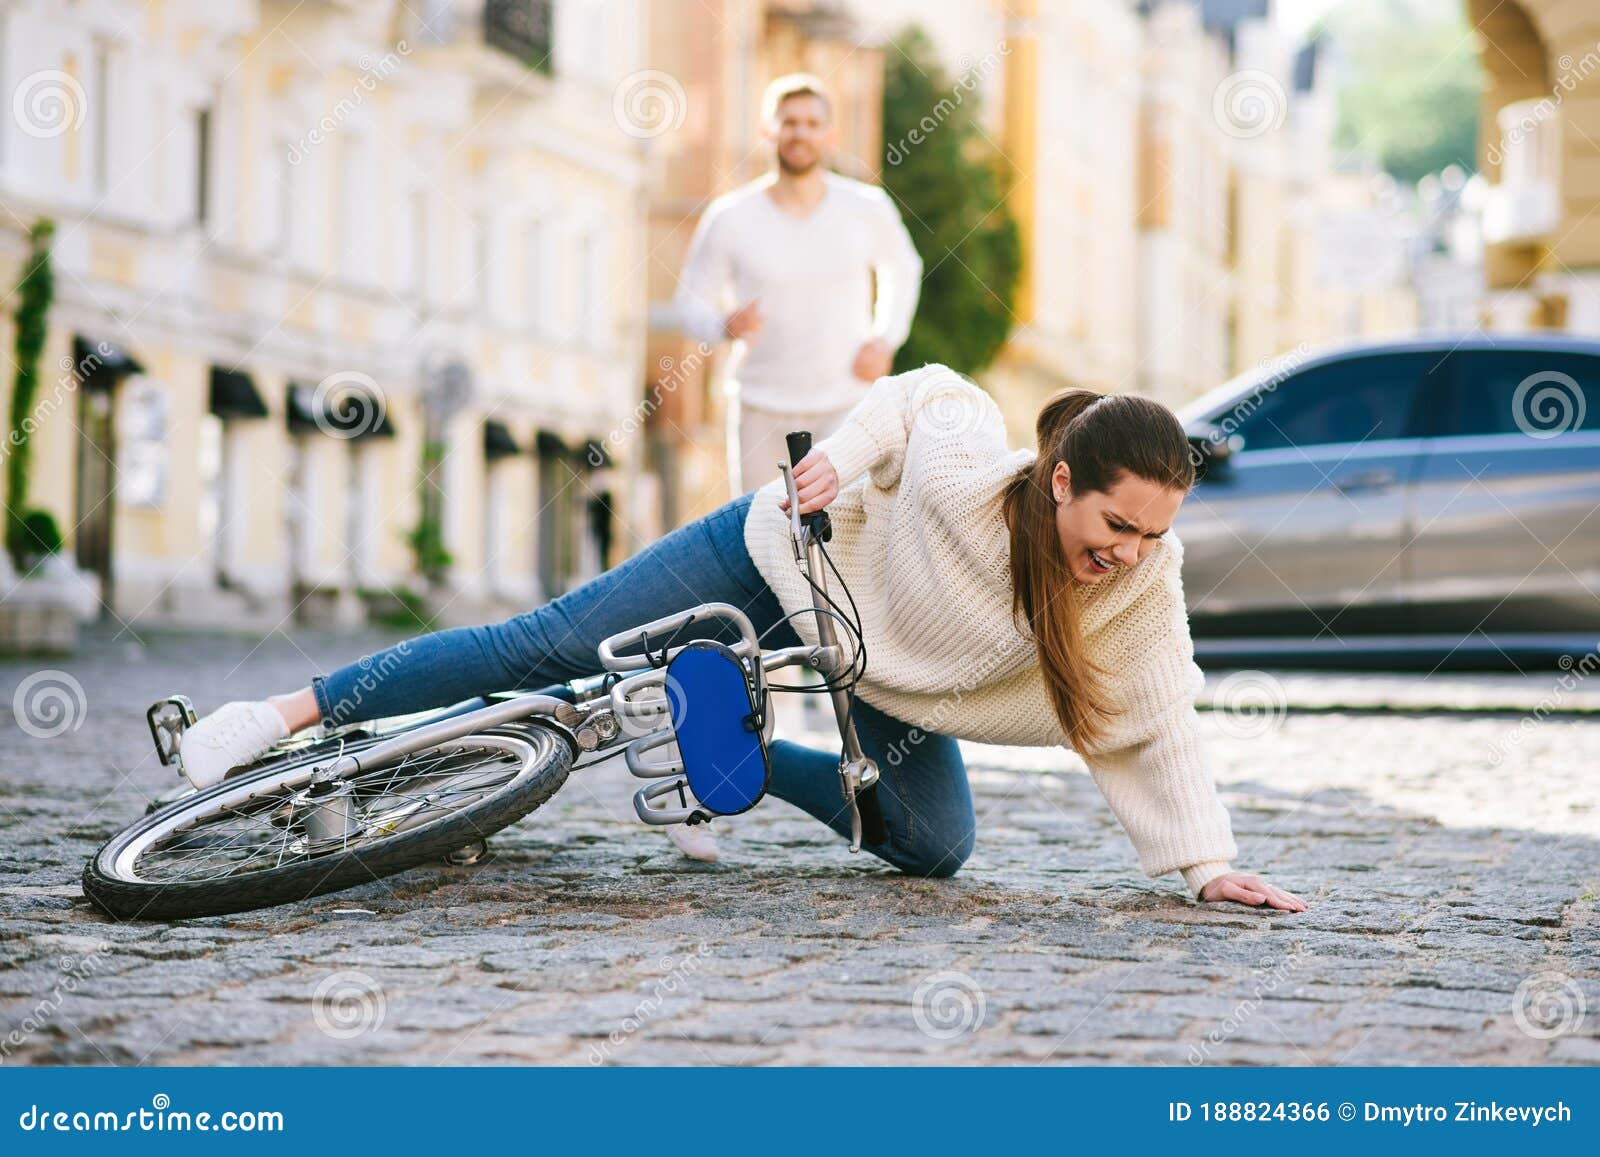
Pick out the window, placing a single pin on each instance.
(363, 511)
(281, 167)
(408, 220)
(416, 235)
(496, 523)
(591, 289)
(202, 187)
(533, 278)
(1562, 392)
(355, 209)
(102, 120)
(557, 505)
(212, 512)
(1360, 399)
(481, 259)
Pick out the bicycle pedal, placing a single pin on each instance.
(169, 718)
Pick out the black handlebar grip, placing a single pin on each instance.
(799, 446)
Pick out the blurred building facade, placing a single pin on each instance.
(721, 54)
(1183, 212)
(1539, 124)
(1215, 229)
(296, 242)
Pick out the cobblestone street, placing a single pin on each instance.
(1450, 853)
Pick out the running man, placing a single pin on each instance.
(812, 276)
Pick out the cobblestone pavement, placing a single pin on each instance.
(1450, 858)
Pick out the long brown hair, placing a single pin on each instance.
(1100, 437)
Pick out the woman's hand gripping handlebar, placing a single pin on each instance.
(812, 483)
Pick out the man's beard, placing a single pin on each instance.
(797, 171)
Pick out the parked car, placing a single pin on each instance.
(1436, 497)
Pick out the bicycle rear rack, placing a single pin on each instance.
(641, 703)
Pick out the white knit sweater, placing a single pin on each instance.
(921, 542)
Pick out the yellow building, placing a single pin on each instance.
(295, 242)
(1187, 249)
(1538, 131)
(1070, 94)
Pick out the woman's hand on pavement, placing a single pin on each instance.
(815, 481)
(1243, 888)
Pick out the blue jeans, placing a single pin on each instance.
(923, 790)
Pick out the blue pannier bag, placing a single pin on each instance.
(719, 728)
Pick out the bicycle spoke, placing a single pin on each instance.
(268, 831)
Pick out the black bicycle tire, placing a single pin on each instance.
(138, 900)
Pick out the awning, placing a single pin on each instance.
(100, 365)
(346, 413)
(234, 395)
(549, 444)
(498, 442)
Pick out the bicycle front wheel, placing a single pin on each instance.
(289, 832)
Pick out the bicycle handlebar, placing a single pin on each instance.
(799, 445)
(799, 442)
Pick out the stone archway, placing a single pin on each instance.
(1540, 150)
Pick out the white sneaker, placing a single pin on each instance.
(698, 842)
(234, 734)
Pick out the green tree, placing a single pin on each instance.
(1409, 92)
(29, 533)
(949, 183)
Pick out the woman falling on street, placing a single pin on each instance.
(1005, 597)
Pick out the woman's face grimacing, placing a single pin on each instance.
(1101, 531)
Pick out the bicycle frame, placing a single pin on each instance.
(627, 704)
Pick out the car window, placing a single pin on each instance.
(1359, 399)
(1523, 392)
